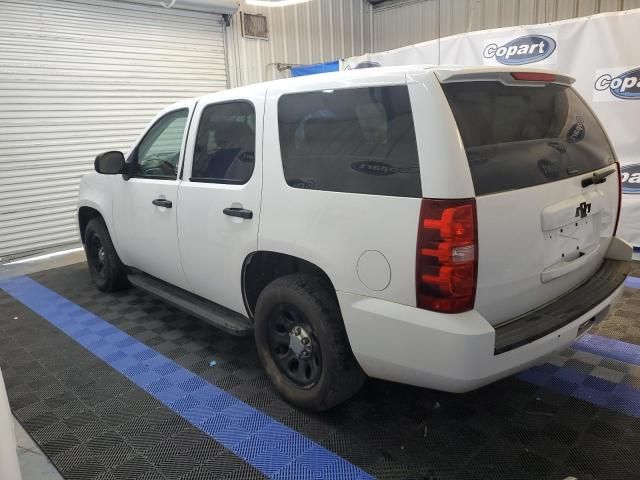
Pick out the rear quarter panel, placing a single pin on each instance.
(443, 162)
(332, 229)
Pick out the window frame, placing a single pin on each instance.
(132, 160)
(255, 144)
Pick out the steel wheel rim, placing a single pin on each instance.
(97, 255)
(293, 346)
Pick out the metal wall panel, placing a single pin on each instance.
(78, 78)
(404, 22)
(311, 32)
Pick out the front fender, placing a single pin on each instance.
(96, 192)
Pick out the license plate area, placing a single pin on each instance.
(573, 240)
(571, 228)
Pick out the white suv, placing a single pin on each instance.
(443, 227)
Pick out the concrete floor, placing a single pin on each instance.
(34, 465)
(43, 262)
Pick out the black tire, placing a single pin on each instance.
(107, 271)
(308, 302)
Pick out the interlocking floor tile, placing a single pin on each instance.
(94, 423)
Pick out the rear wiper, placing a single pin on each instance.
(597, 178)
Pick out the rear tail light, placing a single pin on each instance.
(534, 77)
(447, 255)
(615, 229)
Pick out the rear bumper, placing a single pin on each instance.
(543, 321)
(457, 353)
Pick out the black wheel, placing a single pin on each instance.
(105, 266)
(302, 343)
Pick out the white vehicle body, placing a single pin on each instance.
(366, 244)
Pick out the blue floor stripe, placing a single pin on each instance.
(633, 282)
(615, 396)
(598, 391)
(276, 450)
(609, 347)
(618, 397)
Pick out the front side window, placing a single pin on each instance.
(225, 144)
(158, 154)
(358, 140)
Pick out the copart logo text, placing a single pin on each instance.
(380, 168)
(527, 49)
(625, 86)
(630, 178)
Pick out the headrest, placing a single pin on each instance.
(318, 129)
(232, 134)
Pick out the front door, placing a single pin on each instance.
(145, 206)
(220, 197)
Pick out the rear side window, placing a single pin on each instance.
(353, 140)
(517, 137)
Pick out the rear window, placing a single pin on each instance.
(358, 140)
(517, 137)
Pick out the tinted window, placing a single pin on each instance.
(225, 144)
(159, 152)
(518, 137)
(354, 140)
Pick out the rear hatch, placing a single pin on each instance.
(546, 186)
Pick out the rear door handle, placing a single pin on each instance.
(162, 202)
(238, 212)
(562, 268)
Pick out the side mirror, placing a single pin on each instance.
(110, 163)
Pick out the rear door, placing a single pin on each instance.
(220, 195)
(544, 221)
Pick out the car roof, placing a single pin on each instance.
(444, 72)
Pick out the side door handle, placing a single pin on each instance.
(238, 212)
(162, 202)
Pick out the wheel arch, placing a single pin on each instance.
(262, 267)
(85, 214)
(88, 210)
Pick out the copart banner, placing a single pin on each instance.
(601, 52)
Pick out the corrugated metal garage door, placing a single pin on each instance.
(78, 78)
